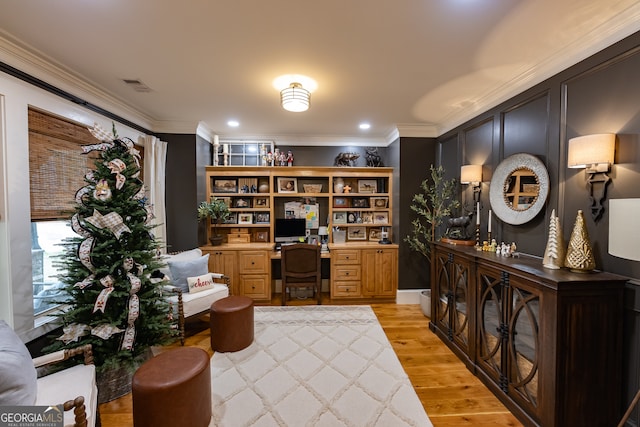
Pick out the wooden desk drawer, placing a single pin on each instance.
(255, 286)
(346, 257)
(346, 272)
(253, 262)
(346, 289)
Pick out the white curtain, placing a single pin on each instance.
(155, 156)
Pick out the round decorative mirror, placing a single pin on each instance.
(519, 188)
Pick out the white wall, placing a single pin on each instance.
(16, 306)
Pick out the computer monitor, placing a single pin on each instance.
(289, 230)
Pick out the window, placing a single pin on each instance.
(46, 237)
(57, 169)
(244, 153)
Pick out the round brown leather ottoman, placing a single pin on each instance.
(231, 321)
(173, 389)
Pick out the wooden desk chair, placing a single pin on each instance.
(300, 267)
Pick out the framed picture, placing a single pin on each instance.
(225, 186)
(262, 236)
(262, 218)
(245, 218)
(367, 186)
(367, 217)
(233, 218)
(360, 202)
(227, 201)
(357, 233)
(379, 202)
(380, 217)
(242, 202)
(339, 218)
(340, 202)
(287, 185)
(261, 202)
(354, 218)
(374, 234)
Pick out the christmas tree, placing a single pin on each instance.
(113, 302)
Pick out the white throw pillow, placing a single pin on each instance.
(181, 256)
(200, 283)
(180, 270)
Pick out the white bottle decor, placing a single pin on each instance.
(554, 254)
(338, 185)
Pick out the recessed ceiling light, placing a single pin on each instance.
(364, 126)
(233, 123)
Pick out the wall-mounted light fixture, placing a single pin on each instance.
(595, 153)
(472, 175)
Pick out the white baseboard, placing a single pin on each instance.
(408, 296)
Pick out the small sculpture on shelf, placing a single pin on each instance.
(289, 158)
(346, 159)
(373, 158)
(457, 227)
(579, 253)
(554, 253)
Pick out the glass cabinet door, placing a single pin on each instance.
(491, 324)
(443, 291)
(524, 321)
(460, 308)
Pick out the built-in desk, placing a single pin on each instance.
(355, 271)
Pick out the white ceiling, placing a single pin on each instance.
(409, 67)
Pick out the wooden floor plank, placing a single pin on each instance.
(451, 395)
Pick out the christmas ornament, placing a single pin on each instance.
(579, 253)
(102, 191)
(554, 254)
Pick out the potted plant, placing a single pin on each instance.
(218, 211)
(433, 204)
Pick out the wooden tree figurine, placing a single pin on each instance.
(554, 254)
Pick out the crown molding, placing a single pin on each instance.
(614, 30)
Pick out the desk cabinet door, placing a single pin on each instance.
(379, 272)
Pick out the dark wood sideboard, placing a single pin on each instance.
(548, 343)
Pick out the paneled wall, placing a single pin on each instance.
(598, 95)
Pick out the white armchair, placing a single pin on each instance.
(75, 387)
(192, 287)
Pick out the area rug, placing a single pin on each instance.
(314, 366)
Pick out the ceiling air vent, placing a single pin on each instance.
(137, 85)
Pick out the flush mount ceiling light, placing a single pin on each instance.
(295, 98)
(295, 91)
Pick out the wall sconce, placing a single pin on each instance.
(596, 154)
(472, 174)
(624, 228)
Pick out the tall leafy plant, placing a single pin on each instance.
(435, 202)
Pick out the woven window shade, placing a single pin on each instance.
(56, 164)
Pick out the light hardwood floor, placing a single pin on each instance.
(451, 395)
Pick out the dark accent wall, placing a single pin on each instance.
(598, 95)
(416, 155)
(326, 155)
(187, 156)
